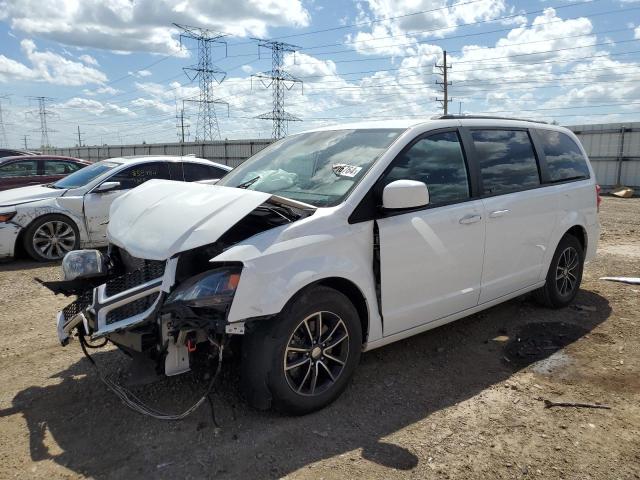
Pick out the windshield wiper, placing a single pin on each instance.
(248, 183)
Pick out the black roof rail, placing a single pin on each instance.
(483, 117)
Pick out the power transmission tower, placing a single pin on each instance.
(3, 134)
(180, 124)
(25, 137)
(279, 81)
(207, 73)
(79, 137)
(43, 113)
(444, 68)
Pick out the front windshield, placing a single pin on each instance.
(85, 175)
(319, 168)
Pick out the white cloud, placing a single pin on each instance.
(636, 32)
(48, 67)
(95, 107)
(152, 105)
(106, 90)
(88, 60)
(145, 25)
(144, 73)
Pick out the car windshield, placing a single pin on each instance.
(319, 168)
(85, 175)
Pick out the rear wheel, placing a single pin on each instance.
(564, 275)
(51, 237)
(306, 358)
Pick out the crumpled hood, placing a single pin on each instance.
(16, 196)
(161, 218)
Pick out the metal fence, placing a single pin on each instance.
(614, 150)
(228, 152)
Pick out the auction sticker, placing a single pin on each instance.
(344, 170)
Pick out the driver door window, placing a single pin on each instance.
(438, 161)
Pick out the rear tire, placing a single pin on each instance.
(51, 237)
(564, 275)
(302, 360)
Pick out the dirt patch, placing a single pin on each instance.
(445, 404)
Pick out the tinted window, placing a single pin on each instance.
(60, 167)
(437, 161)
(133, 176)
(564, 158)
(507, 160)
(196, 171)
(26, 168)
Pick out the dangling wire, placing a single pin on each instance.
(134, 403)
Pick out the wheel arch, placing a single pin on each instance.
(21, 236)
(579, 232)
(349, 290)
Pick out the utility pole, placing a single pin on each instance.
(43, 113)
(444, 68)
(3, 134)
(207, 73)
(25, 137)
(279, 81)
(79, 137)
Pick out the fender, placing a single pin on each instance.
(281, 262)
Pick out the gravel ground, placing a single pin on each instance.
(462, 401)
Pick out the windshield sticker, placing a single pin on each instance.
(344, 170)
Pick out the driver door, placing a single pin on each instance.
(97, 204)
(431, 258)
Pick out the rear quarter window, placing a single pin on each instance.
(564, 158)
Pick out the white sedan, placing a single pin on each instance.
(50, 220)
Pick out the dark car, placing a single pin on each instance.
(24, 170)
(10, 152)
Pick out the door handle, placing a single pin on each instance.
(498, 213)
(467, 219)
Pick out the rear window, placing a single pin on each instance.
(563, 157)
(197, 171)
(507, 160)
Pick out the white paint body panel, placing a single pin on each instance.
(430, 263)
(161, 218)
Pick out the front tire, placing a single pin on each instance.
(304, 358)
(51, 237)
(564, 275)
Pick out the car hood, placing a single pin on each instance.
(16, 196)
(161, 218)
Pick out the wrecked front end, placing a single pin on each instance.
(173, 312)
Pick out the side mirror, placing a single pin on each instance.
(405, 194)
(107, 187)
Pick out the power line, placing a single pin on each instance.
(207, 73)
(278, 80)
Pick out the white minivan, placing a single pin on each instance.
(337, 241)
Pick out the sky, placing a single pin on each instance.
(114, 68)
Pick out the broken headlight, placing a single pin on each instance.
(83, 264)
(212, 288)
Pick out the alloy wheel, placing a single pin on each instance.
(52, 240)
(566, 271)
(316, 353)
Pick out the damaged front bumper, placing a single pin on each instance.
(8, 237)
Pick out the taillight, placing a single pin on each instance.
(598, 198)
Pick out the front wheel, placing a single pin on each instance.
(51, 237)
(564, 275)
(306, 356)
